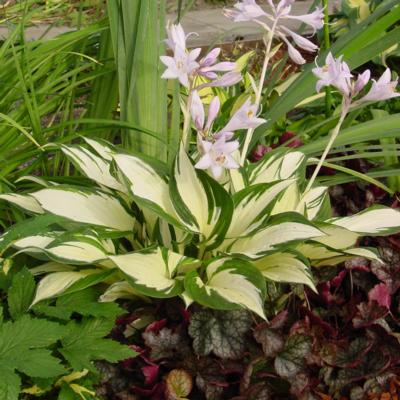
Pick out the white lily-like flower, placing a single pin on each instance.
(198, 113)
(274, 22)
(244, 118)
(217, 156)
(246, 10)
(382, 89)
(181, 65)
(335, 73)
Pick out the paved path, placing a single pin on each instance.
(212, 27)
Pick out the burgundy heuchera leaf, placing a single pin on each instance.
(380, 294)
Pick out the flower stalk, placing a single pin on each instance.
(332, 138)
(267, 58)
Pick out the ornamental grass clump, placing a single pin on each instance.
(213, 228)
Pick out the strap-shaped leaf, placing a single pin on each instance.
(230, 283)
(202, 204)
(286, 267)
(92, 166)
(152, 272)
(281, 230)
(288, 201)
(277, 166)
(26, 202)
(89, 207)
(374, 221)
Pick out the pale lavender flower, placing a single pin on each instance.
(244, 118)
(335, 72)
(176, 37)
(361, 81)
(279, 13)
(245, 10)
(208, 65)
(229, 79)
(217, 156)
(382, 89)
(198, 113)
(181, 66)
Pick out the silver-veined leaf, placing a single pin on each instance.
(282, 230)
(286, 267)
(230, 283)
(152, 272)
(95, 207)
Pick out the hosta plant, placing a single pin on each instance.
(212, 228)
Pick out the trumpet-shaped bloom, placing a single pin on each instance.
(249, 10)
(181, 66)
(217, 156)
(244, 118)
(176, 37)
(246, 10)
(335, 72)
(198, 113)
(382, 89)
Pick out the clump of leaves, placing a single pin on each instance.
(52, 348)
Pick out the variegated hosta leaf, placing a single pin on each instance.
(94, 207)
(230, 283)
(288, 201)
(319, 255)
(251, 206)
(336, 237)
(152, 272)
(150, 190)
(120, 290)
(56, 283)
(26, 202)
(51, 266)
(286, 267)
(73, 249)
(278, 166)
(281, 230)
(92, 166)
(374, 221)
(102, 148)
(201, 203)
(312, 203)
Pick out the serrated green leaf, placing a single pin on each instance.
(291, 360)
(39, 363)
(21, 292)
(10, 384)
(84, 343)
(222, 333)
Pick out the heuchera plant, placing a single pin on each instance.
(216, 227)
